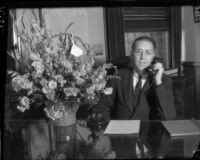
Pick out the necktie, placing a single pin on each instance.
(138, 85)
(137, 90)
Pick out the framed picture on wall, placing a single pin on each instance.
(196, 13)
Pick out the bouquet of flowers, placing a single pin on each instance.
(55, 71)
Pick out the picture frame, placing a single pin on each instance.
(196, 10)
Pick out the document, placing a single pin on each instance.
(123, 127)
(182, 127)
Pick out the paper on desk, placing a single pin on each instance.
(182, 127)
(123, 127)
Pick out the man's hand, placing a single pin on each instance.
(158, 76)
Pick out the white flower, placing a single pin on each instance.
(88, 68)
(24, 101)
(51, 95)
(58, 114)
(46, 90)
(21, 108)
(30, 92)
(62, 83)
(60, 79)
(100, 85)
(17, 83)
(24, 104)
(83, 70)
(108, 90)
(80, 81)
(43, 82)
(49, 113)
(90, 90)
(52, 84)
(76, 74)
(75, 92)
(101, 76)
(21, 82)
(76, 51)
(34, 56)
(66, 63)
(39, 67)
(91, 96)
(28, 85)
(71, 91)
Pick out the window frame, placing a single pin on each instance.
(116, 46)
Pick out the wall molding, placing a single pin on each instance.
(190, 63)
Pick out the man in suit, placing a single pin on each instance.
(136, 93)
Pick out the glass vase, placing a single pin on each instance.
(63, 141)
(64, 129)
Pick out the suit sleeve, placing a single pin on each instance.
(165, 108)
(107, 101)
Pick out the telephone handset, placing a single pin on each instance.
(149, 70)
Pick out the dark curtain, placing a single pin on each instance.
(175, 36)
(115, 32)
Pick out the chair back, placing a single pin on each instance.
(121, 62)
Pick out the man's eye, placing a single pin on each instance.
(148, 53)
(138, 52)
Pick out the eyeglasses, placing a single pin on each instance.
(146, 53)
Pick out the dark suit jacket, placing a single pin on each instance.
(155, 103)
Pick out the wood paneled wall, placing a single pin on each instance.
(194, 68)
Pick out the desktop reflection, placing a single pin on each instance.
(153, 141)
(155, 137)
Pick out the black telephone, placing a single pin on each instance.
(149, 70)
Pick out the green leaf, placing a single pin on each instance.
(11, 54)
(13, 73)
(34, 15)
(22, 20)
(68, 27)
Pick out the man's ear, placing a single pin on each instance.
(131, 55)
(154, 55)
(131, 63)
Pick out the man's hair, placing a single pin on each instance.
(151, 40)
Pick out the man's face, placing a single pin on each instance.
(142, 54)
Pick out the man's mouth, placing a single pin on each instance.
(142, 63)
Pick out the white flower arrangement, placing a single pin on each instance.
(56, 74)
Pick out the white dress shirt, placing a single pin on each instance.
(135, 80)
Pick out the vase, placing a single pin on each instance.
(63, 140)
(63, 130)
(68, 119)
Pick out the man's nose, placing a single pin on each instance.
(142, 55)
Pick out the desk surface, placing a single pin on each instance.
(152, 142)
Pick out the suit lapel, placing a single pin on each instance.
(127, 87)
(142, 93)
(145, 87)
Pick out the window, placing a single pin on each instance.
(148, 21)
(163, 23)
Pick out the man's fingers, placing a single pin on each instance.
(158, 66)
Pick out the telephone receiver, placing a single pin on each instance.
(149, 70)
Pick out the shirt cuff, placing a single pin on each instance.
(158, 83)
